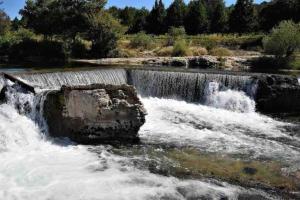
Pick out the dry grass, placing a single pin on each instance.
(220, 52)
(198, 51)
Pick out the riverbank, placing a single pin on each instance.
(235, 63)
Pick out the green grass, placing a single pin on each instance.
(296, 63)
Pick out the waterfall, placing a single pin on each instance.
(1, 81)
(229, 100)
(57, 79)
(185, 86)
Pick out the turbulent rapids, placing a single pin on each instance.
(209, 113)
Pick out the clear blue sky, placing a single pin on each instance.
(12, 7)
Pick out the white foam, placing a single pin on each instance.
(229, 99)
(35, 168)
(216, 130)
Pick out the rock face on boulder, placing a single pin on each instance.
(277, 93)
(95, 114)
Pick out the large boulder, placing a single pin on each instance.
(95, 114)
(277, 93)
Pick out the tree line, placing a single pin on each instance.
(208, 16)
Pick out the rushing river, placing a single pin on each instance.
(36, 166)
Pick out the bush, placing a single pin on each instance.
(284, 39)
(175, 34)
(198, 51)
(180, 48)
(79, 49)
(142, 40)
(33, 50)
(220, 52)
(165, 51)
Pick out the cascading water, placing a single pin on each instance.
(2, 82)
(228, 99)
(34, 166)
(57, 79)
(184, 86)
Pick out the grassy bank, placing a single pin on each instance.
(142, 45)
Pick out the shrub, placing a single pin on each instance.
(181, 48)
(284, 39)
(220, 52)
(79, 49)
(175, 34)
(165, 51)
(142, 40)
(33, 50)
(198, 51)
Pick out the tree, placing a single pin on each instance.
(4, 22)
(155, 20)
(196, 21)
(176, 14)
(218, 19)
(243, 18)
(140, 21)
(127, 15)
(60, 17)
(276, 11)
(103, 33)
(284, 39)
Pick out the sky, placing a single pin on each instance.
(12, 7)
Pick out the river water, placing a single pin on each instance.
(223, 122)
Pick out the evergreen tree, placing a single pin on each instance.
(218, 20)
(243, 18)
(127, 15)
(176, 14)
(4, 22)
(139, 23)
(155, 20)
(276, 11)
(196, 21)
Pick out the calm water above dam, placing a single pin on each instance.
(202, 139)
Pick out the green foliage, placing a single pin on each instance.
(79, 49)
(60, 17)
(33, 50)
(243, 17)
(284, 40)
(218, 18)
(276, 11)
(127, 15)
(155, 20)
(103, 34)
(4, 23)
(139, 22)
(196, 21)
(180, 48)
(175, 34)
(141, 40)
(176, 14)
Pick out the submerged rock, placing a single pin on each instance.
(277, 93)
(95, 114)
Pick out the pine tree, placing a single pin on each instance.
(155, 20)
(176, 14)
(196, 21)
(243, 17)
(140, 22)
(218, 21)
